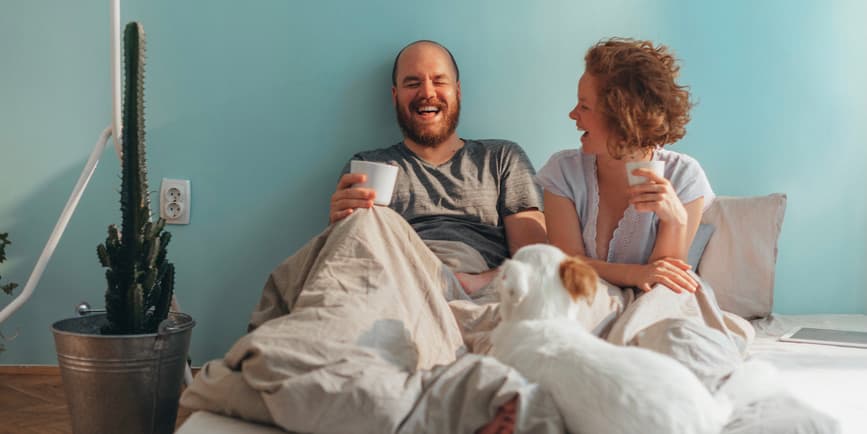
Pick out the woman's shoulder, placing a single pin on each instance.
(567, 154)
(686, 176)
(564, 173)
(568, 158)
(676, 158)
(679, 164)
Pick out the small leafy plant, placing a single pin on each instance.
(4, 241)
(7, 288)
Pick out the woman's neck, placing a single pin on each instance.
(608, 166)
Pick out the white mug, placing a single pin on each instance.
(380, 178)
(658, 167)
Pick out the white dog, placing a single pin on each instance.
(598, 387)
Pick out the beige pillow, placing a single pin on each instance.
(741, 255)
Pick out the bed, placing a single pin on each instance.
(830, 379)
(824, 382)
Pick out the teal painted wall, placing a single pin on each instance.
(260, 103)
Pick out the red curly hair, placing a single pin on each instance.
(638, 96)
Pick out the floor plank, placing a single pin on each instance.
(34, 403)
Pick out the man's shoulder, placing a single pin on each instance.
(382, 154)
(495, 144)
(496, 148)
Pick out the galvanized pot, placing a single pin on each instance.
(122, 383)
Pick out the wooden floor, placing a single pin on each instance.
(32, 401)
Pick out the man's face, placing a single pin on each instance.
(427, 96)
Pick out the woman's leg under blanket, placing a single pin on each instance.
(688, 327)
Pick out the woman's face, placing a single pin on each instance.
(588, 118)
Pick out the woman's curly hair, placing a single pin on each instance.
(638, 95)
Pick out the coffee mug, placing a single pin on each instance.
(658, 167)
(380, 178)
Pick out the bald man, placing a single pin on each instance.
(479, 193)
(377, 312)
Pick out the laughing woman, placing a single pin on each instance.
(637, 237)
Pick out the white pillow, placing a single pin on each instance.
(740, 258)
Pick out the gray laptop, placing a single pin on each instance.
(843, 338)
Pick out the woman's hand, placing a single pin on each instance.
(658, 196)
(670, 272)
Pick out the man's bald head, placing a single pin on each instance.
(423, 41)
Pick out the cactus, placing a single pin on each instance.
(140, 279)
(4, 240)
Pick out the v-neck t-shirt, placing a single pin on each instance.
(573, 174)
(466, 198)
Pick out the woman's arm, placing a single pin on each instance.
(564, 226)
(678, 222)
(564, 231)
(674, 238)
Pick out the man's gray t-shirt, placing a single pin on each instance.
(466, 198)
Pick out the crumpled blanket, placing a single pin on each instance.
(370, 344)
(383, 339)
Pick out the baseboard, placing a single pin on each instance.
(29, 370)
(41, 370)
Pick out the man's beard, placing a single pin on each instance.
(415, 131)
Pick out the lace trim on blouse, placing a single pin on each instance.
(624, 233)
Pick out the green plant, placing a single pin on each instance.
(140, 279)
(4, 241)
(7, 288)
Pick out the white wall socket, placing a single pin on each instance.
(175, 201)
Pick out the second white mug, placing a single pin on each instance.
(380, 177)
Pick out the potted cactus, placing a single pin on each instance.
(134, 354)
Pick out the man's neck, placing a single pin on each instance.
(437, 154)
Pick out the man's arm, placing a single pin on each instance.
(524, 228)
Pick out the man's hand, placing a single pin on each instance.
(347, 198)
(475, 282)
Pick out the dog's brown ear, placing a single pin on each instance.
(578, 278)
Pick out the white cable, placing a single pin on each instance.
(68, 210)
(116, 120)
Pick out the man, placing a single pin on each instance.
(358, 331)
(480, 193)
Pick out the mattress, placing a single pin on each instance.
(831, 379)
(205, 422)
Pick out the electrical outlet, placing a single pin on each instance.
(175, 201)
(173, 211)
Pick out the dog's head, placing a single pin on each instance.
(541, 282)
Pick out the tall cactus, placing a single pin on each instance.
(140, 279)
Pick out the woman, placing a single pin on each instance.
(629, 107)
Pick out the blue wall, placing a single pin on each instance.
(260, 103)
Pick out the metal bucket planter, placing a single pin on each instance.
(122, 383)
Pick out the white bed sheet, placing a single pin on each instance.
(205, 422)
(831, 379)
